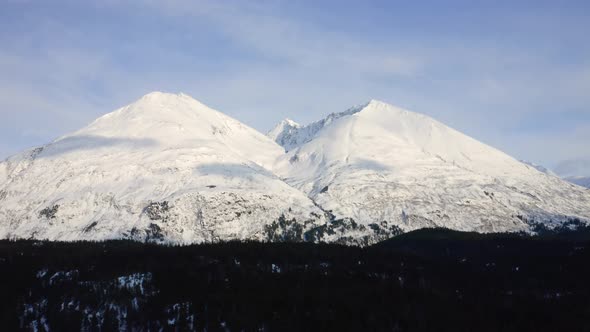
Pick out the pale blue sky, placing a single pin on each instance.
(513, 74)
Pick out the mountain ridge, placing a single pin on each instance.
(167, 168)
(386, 164)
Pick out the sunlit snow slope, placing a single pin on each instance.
(163, 168)
(379, 164)
(169, 169)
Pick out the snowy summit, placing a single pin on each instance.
(164, 168)
(167, 168)
(381, 164)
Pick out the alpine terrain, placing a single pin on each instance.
(379, 164)
(570, 170)
(165, 168)
(170, 169)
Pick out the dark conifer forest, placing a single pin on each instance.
(427, 280)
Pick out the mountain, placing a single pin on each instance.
(289, 134)
(283, 133)
(567, 169)
(575, 171)
(165, 168)
(377, 166)
(169, 169)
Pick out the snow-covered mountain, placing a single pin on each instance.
(381, 165)
(574, 171)
(164, 168)
(289, 134)
(170, 169)
(285, 132)
(569, 171)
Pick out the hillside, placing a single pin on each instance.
(379, 164)
(165, 168)
(427, 280)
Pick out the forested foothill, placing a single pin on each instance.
(426, 280)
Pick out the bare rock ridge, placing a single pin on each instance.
(167, 168)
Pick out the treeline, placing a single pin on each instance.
(428, 280)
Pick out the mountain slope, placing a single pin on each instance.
(567, 173)
(165, 168)
(538, 167)
(169, 169)
(386, 167)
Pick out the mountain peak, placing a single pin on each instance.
(167, 167)
(163, 94)
(380, 163)
(290, 134)
(171, 121)
(165, 164)
(290, 122)
(156, 94)
(284, 131)
(156, 109)
(159, 98)
(375, 102)
(378, 105)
